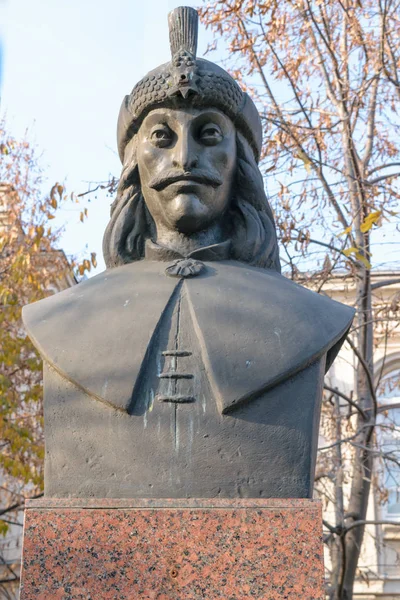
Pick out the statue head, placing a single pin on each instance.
(189, 140)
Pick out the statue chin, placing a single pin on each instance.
(188, 214)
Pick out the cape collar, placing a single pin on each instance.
(254, 327)
(221, 251)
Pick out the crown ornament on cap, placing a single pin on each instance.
(183, 28)
(189, 80)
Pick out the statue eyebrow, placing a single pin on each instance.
(210, 123)
(213, 116)
(155, 118)
(158, 123)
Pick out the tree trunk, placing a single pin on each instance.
(363, 459)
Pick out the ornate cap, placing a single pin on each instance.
(191, 79)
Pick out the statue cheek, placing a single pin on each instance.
(223, 158)
(150, 155)
(150, 161)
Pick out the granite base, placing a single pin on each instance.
(172, 549)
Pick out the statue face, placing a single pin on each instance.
(186, 160)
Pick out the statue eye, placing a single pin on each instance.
(161, 137)
(210, 135)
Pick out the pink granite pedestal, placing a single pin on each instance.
(172, 549)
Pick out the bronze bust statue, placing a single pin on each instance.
(191, 367)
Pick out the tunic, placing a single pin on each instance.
(203, 386)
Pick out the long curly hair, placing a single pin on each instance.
(251, 222)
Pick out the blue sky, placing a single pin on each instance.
(66, 68)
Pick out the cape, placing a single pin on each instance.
(255, 328)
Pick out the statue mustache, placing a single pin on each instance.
(205, 177)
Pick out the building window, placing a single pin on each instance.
(388, 433)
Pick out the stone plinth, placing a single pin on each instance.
(172, 549)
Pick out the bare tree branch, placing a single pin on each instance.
(347, 399)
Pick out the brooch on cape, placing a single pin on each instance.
(185, 267)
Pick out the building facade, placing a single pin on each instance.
(379, 566)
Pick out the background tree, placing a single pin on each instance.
(326, 77)
(31, 267)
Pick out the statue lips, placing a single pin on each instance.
(159, 183)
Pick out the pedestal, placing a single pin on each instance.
(172, 549)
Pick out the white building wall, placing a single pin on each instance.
(379, 564)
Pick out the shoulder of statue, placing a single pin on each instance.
(86, 332)
(267, 326)
(255, 328)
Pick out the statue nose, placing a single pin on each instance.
(185, 156)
